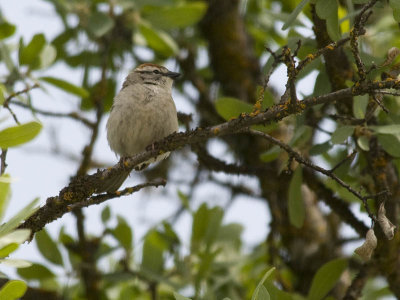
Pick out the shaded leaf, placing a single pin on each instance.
(178, 16)
(326, 8)
(36, 271)
(100, 23)
(318, 149)
(23, 214)
(326, 278)
(4, 194)
(296, 203)
(20, 134)
(294, 14)
(341, 134)
(392, 129)
(179, 297)
(158, 40)
(153, 253)
(360, 106)
(228, 107)
(261, 292)
(105, 214)
(363, 143)
(66, 86)
(48, 248)
(6, 30)
(13, 289)
(29, 55)
(271, 154)
(123, 233)
(390, 143)
(206, 224)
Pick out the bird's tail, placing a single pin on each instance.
(114, 182)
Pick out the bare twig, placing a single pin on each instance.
(311, 165)
(3, 161)
(95, 200)
(71, 115)
(357, 30)
(348, 157)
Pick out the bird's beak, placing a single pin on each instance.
(172, 75)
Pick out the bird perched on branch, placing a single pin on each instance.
(142, 113)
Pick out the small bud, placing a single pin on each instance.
(366, 250)
(387, 226)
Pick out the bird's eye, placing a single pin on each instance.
(156, 72)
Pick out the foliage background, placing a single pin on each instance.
(219, 46)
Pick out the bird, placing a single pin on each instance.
(142, 113)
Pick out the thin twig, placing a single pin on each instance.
(311, 165)
(71, 115)
(348, 157)
(3, 161)
(98, 199)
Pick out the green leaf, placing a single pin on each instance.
(179, 297)
(363, 143)
(360, 106)
(332, 26)
(390, 143)
(387, 129)
(6, 57)
(66, 86)
(158, 40)
(261, 293)
(23, 214)
(18, 236)
(6, 30)
(29, 55)
(105, 214)
(20, 134)
(36, 271)
(341, 134)
(294, 14)
(296, 204)
(4, 193)
(16, 263)
(322, 84)
(320, 148)
(100, 23)
(47, 56)
(206, 225)
(228, 107)
(394, 4)
(153, 253)
(13, 289)
(123, 233)
(6, 250)
(271, 154)
(179, 16)
(48, 248)
(396, 15)
(326, 278)
(326, 8)
(277, 294)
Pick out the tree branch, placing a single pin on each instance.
(82, 187)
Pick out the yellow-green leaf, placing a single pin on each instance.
(20, 134)
(13, 289)
(296, 204)
(66, 86)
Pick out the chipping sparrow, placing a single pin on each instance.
(143, 112)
